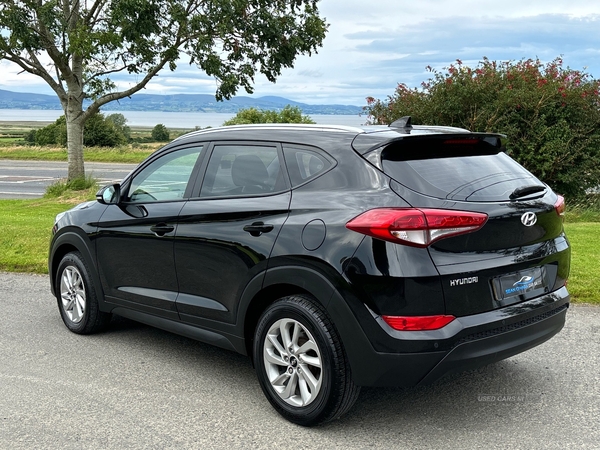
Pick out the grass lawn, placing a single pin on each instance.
(26, 230)
(26, 226)
(125, 154)
(584, 283)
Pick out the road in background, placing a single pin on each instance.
(138, 387)
(29, 179)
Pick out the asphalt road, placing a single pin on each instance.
(137, 387)
(29, 179)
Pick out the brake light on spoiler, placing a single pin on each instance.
(417, 227)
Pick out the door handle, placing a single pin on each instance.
(161, 229)
(258, 228)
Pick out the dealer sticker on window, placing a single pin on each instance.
(519, 283)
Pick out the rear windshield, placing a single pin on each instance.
(456, 169)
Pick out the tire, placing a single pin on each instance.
(311, 383)
(77, 296)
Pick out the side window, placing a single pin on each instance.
(304, 164)
(239, 170)
(165, 179)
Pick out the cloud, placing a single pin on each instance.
(372, 46)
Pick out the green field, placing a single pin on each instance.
(126, 154)
(13, 145)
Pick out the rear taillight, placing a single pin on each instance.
(560, 207)
(416, 227)
(417, 323)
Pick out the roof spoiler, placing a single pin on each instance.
(402, 122)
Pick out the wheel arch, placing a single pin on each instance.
(71, 241)
(282, 281)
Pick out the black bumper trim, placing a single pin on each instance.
(476, 353)
(511, 327)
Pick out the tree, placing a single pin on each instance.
(76, 47)
(550, 114)
(160, 133)
(289, 114)
(120, 123)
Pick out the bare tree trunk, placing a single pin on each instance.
(75, 118)
(75, 144)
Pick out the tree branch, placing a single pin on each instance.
(94, 107)
(96, 8)
(50, 47)
(107, 72)
(34, 67)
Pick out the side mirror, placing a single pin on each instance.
(109, 195)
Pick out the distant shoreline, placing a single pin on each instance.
(175, 120)
(176, 103)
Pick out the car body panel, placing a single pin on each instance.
(216, 258)
(136, 264)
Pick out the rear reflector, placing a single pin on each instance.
(417, 323)
(560, 207)
(416, 227)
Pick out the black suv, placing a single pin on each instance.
(335, 257)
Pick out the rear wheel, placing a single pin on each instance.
(77, 298)
(301, 364)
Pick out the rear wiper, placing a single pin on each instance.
(526, 190)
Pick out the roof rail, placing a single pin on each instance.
(402, 122)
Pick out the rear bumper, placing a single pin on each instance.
(499, 345)
(465, 343)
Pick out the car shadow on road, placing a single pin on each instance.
(470, 397)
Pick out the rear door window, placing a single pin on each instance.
(455, 169)
(243, 170)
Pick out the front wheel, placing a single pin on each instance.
(77, 298)
(300, 362)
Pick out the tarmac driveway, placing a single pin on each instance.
(137, 387)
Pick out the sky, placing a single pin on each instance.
(373, 45)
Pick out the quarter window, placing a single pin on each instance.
(304, 164)
(165, 179)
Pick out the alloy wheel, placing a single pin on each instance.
(72, 294)
(293, 362)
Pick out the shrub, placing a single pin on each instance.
(77, 184)
(30, 137)
(289, 114)
(53, 134)
(98, 132)
(549, 113)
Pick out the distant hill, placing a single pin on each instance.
(174, 103)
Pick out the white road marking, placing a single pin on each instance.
(35, 194)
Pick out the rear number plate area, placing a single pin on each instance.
(520, 283)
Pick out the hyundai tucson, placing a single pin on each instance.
(335, 257)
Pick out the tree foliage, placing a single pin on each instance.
(289, 114)
(78, 47)
(120, 123)
(160, 133)
(550, 114)
(102, 132)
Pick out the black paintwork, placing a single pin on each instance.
(207, 267)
